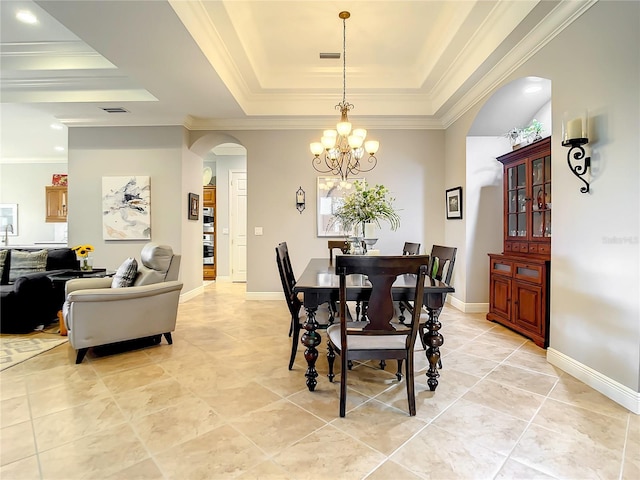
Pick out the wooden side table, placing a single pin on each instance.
(59, 281)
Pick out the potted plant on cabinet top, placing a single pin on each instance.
(534, 131)
(514, 136)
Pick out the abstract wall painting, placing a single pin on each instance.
(126, 208)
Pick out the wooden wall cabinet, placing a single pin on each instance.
(519, 277)
(56, 204)
(209, 248)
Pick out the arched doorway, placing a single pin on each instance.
(226, 159)
(514, 105)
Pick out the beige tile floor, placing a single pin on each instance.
(220, 403)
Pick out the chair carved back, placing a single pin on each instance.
(287, 278)
(381, 272)
(343, 245)
(410, 248)
(378, 338)
(441, 258)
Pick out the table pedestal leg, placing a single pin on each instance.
(433, 341)
(311, 339)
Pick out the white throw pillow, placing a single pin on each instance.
(126, 274)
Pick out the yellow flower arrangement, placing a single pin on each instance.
(83, 251)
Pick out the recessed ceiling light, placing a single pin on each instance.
(25, 16)
(533, 89)
(56, 126)
(59, 149)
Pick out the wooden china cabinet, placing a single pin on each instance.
(519, 277)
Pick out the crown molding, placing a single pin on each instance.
(19, 160)
(563, 15)
(312, 123)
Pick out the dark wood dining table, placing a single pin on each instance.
(319, 284)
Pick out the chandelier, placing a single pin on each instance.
(340, 152)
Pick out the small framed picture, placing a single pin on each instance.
(194, 206)
(59, 180)
(454, 203)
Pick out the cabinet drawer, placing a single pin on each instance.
(546, 249)
(501, 267)
(539, 248)
(516, 247)
(528, 272)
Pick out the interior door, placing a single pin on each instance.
(238, 224)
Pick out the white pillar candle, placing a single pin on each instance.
(369, 230)
(574, 128)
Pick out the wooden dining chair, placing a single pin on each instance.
(410, 248)
(343, 245)
(293, 302)
(377, 338)
(441, 268)
(441, 262)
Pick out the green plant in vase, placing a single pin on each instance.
(534, 131)
(367, 204)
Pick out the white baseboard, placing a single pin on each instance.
(264, 296)
(617, 392)
(185, 297)
(467, 307)
(463, 307)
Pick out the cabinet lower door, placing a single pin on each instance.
(500, 301)
(527, 307)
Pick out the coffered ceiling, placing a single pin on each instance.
(238, 64)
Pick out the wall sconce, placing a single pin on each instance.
(300, 200)
(574, 135)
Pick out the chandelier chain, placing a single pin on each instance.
(341, 151)
(344, 60)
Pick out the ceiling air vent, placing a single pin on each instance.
(115, 110)
(330, 55)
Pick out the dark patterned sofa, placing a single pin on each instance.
(28, 298)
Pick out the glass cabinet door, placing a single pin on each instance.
(517, 201)
(541, 197)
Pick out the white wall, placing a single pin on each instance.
(409, 164)
(483, 215)
(190, 230)
(24, 184)
(455, 230)
(595, 274)
(95, 152)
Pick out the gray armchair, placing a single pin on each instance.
(96, 314)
